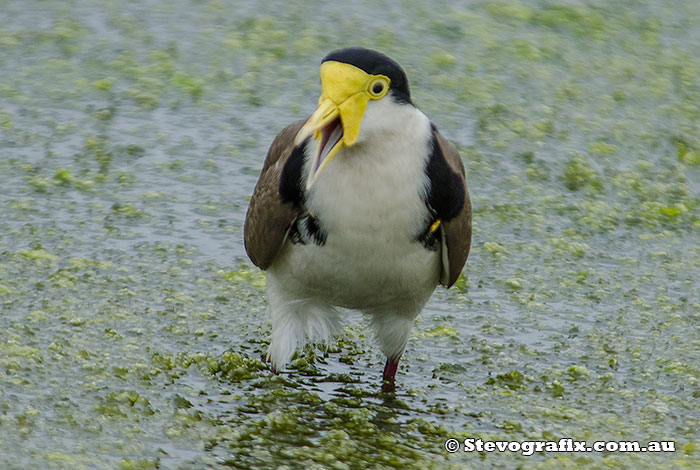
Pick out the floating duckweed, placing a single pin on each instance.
(63, 176)
(512, 379)
(440, 331)
(577, 372)
(133, 325)
(506, 10)
(570, 17)
(104, 84)
(444, 59)
(139, 464)
(689, 448)
(247, 273)
(579, 173)
(688, 154)
(193, 86)
(127, 210)
(236, 367)
(557, 389)
(514, 283)
(37, 255)
(495, 248)
(512, 426)
(124, 404)
(602, 149)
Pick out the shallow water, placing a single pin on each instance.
(132, 326)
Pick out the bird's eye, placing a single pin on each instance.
(378, 87)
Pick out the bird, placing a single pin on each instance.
(362, 206)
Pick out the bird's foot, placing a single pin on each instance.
(274, 370)
(388, 386)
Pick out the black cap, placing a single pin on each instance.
(375, 63)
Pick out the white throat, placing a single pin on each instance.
(379, 183)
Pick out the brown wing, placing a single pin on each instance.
(457, 232)
(268, 218)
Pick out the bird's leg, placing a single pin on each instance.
(388, 384)
(390, 369)
(274, 370)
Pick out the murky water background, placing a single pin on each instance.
(132, 327)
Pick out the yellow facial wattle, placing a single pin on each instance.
(345, 92)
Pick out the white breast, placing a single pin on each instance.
(370, 200)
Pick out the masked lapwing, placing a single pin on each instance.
(364, 206)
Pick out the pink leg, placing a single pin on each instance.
(390, 368)
(273, 370)
(388, 384)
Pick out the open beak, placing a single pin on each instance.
(326, 126)
(336, 122)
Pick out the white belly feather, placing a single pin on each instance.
(370, 201)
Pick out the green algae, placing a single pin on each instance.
(578, 174)
(133, 331)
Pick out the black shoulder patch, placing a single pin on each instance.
(445, 196)
(290, 180)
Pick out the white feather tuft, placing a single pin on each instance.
(391, 332)
(296, 322)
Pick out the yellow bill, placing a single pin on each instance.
(345, 91)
